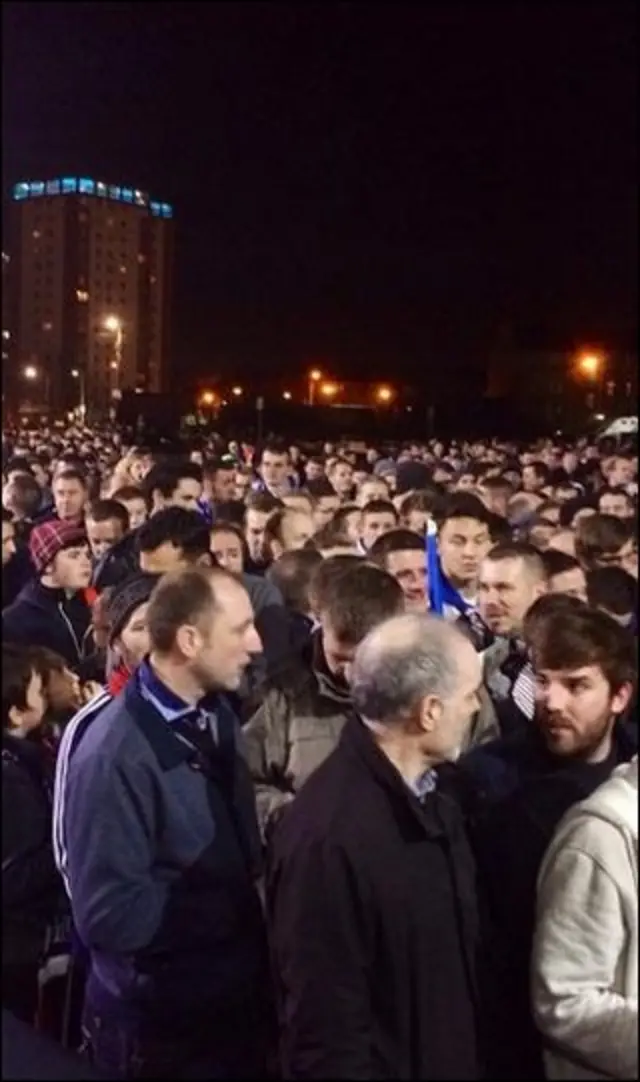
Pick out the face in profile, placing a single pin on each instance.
(225, 640)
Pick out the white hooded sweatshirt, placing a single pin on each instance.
(585, 956)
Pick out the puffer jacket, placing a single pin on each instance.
(294, 730)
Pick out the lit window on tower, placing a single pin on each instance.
(69, 184)
(53, 187)
(36, 187)
(86, 186)
(127, 195)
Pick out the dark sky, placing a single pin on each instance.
(373, 187)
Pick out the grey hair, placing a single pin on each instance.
(401, 662)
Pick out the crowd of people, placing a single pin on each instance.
(320, 762)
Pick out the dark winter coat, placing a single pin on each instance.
(371, 898)
(41, 616)
(32, 893)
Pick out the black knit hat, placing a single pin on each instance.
(125, 598)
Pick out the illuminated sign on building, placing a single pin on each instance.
(31, 189)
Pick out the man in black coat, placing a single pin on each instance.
(371, 885)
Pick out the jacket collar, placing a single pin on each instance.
(437, 815)
(327, 683)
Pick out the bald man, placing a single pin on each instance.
(371, 882)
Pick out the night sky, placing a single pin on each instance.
(375, 188)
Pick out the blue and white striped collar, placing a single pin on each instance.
(169, 705)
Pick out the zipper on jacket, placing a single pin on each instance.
(70, 630)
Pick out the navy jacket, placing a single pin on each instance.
(162, 859)
(41, 616)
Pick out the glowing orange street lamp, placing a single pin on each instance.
(384, 395)
(315, 375)
(329, 390)
(590, 364)
(207, 398)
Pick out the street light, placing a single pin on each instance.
(384, 395)
(590, 364)
(287, 396)
(329, 390)
(32, 373)
(315, 375)
(237, 391)
(113, 324)
(76, 373)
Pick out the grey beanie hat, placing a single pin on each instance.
(124, 599)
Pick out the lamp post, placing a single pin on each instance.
(77, 373)
(315, 375)
(592, 366)
(32, 374)
(113, 324)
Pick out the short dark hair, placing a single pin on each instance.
(263, 502)
(380, 507)
(520, 550)
(394, 541)
(612, 589)
(566, 636)
(224, 526)
(500, 530)
(71, 473)
(292, 574)
(559, 563)
(615, 490)
(166, 476)
(327, 571)
(461, 505)
(129, 492)
(571, 508)
(548, 505)
(45, 662)
(17, 669)
(320, 488)
(106, 510)
(212, 466)
(599, 536)
(187, 530)
(540, 469)
(329, 536)
(496, 483)
(181, 597)
(273, 447)
(425, 500)
(358, 600)
(27, 494)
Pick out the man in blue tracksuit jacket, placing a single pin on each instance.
(164, 854)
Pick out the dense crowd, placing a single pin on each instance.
(320, 762)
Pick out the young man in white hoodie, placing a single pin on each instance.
(585, 957)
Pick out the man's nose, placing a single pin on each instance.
(253, 642)
(555, 698)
